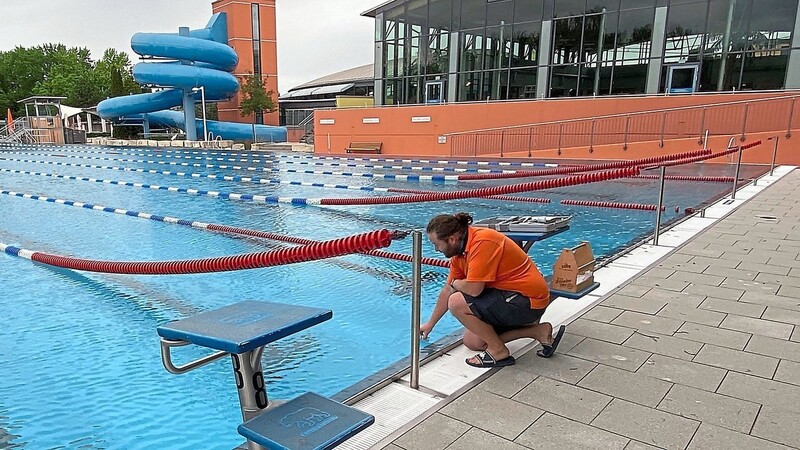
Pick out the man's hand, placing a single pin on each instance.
(425, 329)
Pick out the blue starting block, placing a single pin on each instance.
(242, 330)
(310, 421)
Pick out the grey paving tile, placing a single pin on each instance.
(598, 330)
(633, 290)
(714, 291)
(778, 426)
(477, 438)
(765, 298)
(780, 280)
(750, 286)
(508, 382)
(672, 297)
(764, 268)
(739, 308)
(659, 272)
(552, 432)
(777, 348)
(745, 362)
(700, 261)
(685, 262)
(646, 424)
(479, 408)
(640, 304)
(392, 447)
(610, 354)
(789, 291)
(664, 345)
(728, 272)
(683, 372)
(796, 334)
(697, 250)
(697, 278)
(560, 367)
(602, 313)
(788, 372)
(661, 283)
(648, 322)
(742, 246)
(636, 445)
(435, 432)
(717, 336)
(760, 327)
(563, 399)
(708, 407)
(568, 342)
(692, 314)
(709, 437)
(738, 257)
(634, 387)
(760, 390)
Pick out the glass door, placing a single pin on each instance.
(682, 78)
(434, 91)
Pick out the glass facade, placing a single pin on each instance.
(496, 49)
(255, 17)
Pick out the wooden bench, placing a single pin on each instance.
(364, 147)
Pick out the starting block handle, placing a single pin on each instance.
(166, 357)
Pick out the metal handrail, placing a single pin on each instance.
(630, 114)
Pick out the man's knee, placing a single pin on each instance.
(457, 304)
(473, 342)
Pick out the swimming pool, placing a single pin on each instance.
(79, 355)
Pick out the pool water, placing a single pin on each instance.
(80, 361)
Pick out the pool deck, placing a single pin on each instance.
(700, 350)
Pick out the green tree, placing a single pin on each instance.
(255, 97)
(115, 63)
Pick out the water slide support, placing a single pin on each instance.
(188, 99)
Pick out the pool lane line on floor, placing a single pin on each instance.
(378, 200)
(213, 227)
(257, 180)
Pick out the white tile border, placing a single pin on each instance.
(448, 374)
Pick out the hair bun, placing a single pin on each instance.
(464, 218)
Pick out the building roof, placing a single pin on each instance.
(361, 73)
(382, 7)
(42, 99)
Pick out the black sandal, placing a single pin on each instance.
(486, 360)
(548, 350)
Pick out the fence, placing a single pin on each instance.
(724, 119)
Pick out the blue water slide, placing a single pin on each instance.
(199, 58)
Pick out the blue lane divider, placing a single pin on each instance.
(384, 176)
(211, 176)
(336, 158)
(261, 199)
(310, 163)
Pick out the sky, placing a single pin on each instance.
(315, 37)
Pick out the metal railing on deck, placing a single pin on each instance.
(731, 118)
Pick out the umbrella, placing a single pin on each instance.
(10, 122)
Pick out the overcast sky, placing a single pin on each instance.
(315, 37)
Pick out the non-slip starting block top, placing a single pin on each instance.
(243, 326)
(575, 295)
(310, 421)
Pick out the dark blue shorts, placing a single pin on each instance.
(504, 310)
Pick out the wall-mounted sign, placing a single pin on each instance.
(443, 139)
(420, 119)
(371, 120)
(327, 121)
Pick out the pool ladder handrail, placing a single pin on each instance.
(166, 357)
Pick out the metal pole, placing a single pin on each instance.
(249, 378)
(203, 101)
(502, 141)
(744, 122)
(416, 305)
(627, 126)
(703, 125)
(530, 141)
(663, 129)
(660, 203)
(560, 134)
(705, 141)
(600, 39)
(591, 138)
(774, 155)
(736, 177)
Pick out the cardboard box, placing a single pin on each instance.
(574, 269)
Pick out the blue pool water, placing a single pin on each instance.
(79, 357)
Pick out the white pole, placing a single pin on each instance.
(205, 123)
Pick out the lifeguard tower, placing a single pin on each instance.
(42, 121)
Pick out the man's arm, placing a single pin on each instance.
(438, 311)
(471, 288)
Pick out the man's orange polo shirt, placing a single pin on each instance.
(496, 260)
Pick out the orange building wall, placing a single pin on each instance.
(402, 137)
(240, 37)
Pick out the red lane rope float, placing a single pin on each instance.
(508, 198)
(711, 156)
(488, 191)
(320, 250)
(689, 178)
(586, 167)
(616, 205)
(302, 241)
